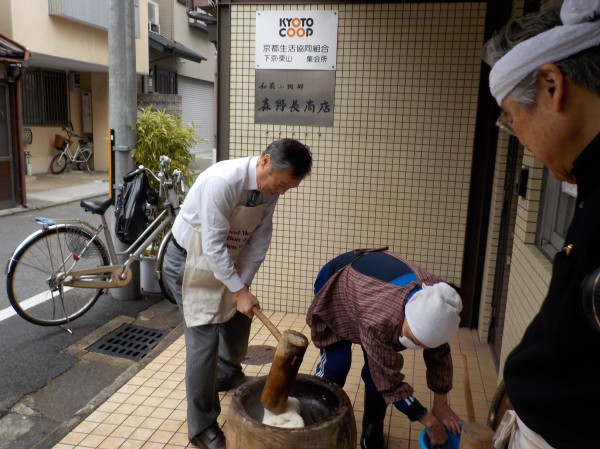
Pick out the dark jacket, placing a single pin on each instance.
(551, 377)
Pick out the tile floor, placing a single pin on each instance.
(149, 411)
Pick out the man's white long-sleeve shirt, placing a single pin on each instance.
(208, 207)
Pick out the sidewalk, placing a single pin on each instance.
(149, 410)
(47, 189)
(147, 407)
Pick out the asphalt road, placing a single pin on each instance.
(48, 379)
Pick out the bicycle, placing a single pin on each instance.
(79, 157)
(58, 273)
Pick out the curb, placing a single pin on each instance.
(44, 205)
(63, 429)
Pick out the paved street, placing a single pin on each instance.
(47, 374)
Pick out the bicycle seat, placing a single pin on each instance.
(97, 207)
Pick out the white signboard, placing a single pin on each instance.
(296, 40)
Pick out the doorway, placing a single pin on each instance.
(505, 244)
(7, 181)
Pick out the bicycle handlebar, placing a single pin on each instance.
(162, 176)
(71, 133)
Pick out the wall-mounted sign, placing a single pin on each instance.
(294, 97)
(296, 40)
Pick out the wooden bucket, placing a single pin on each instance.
(325, 408)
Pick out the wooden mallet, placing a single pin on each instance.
(284, 369)
(473, 435)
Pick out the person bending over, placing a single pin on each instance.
(378, 300)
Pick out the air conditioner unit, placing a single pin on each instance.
(154, 27)
(153, 17)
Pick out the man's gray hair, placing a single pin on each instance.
(582, 68)
(288, 154)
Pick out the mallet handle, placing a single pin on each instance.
(256, 311)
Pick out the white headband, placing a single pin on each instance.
(580, 30)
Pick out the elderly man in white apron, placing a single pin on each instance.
(221, 237)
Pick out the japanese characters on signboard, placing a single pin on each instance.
(295, 59)
(296, 40)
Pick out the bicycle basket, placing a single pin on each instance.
(59, 141)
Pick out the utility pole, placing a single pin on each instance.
(122, 96)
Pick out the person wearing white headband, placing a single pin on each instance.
(376, 299)
(546, 78)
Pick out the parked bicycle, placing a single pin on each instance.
(57, 273)
(69, 154)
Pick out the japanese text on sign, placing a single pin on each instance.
(294, 97)
(296, 40)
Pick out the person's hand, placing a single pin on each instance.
(244, 301)
(445, 414)
(438, 437)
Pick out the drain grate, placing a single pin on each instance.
(129, 342)
(259, 355)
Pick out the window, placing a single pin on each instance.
(557, 212)
(45, 98)
(153, 17)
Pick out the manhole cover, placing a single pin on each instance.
(128, 341)
(259, 355)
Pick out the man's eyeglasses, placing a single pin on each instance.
(504, 124)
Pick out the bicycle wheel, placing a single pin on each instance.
(58, 164)
(166, 291)
(83, 158)
(37, 271)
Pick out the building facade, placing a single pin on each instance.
(411, 160)
(66, 81)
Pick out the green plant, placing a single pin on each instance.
(162, 134)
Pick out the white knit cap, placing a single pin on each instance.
(580, 30)
(433, 314)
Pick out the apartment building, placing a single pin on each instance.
(66, 78)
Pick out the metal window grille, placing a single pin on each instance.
(45, 97)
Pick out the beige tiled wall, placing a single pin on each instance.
(530, 268)
(530, 277)
(395, 167)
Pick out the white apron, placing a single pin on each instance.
(521, 436)
(205, 299)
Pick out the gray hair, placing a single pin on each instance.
(582, 68)
(288, 154)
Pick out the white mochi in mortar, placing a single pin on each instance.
(290, 418)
